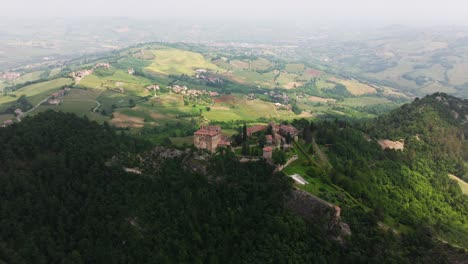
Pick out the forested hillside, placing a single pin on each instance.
(61, 203)
(409, 188)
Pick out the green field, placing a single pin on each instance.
(37, 92)
(175, 61)
(294, 67)
(78, 108)
(252, 77)
(261, 64)
(28, 77)
(134, 85)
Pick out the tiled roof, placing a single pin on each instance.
(267, 149)
(255, 129)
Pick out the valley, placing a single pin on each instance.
(331, 147)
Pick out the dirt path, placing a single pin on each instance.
(34, 108)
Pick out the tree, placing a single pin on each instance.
(262, 141)
(307, 135)
(244, 133)
(279, 157)
(245, 149)
(289, 138)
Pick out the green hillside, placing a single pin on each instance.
(63, 203)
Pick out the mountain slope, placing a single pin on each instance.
(408, 189)
(66, 199)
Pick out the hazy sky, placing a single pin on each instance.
(394, 11)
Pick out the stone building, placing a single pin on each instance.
(207, 137)
(268, 154)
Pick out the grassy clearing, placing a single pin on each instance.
(462, 183)
(175, 61)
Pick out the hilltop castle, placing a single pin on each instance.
(209, 138)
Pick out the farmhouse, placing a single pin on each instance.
(131, 71)
(153, 87)
(8, 76)
(102, 65)
(207, 137)
(7, 123)
(78, 75)
(54, 101)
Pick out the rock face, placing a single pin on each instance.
(191, 160)
(318, 211)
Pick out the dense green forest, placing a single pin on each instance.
(63, 202)
(408, 188)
